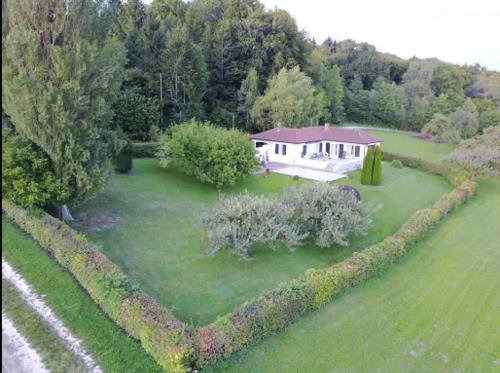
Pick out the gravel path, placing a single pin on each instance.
(36, 303)
(17, 354)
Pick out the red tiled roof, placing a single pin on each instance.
(313, 134)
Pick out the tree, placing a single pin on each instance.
(290, 99)
(447, 79)
(442, 129)
(213, 155)
(481, 154)
(367, 171)
(465, 119)
(325, 214)
(388, 103)
(377, 166)
(58, 85)
(135, 114)
(27, 175)
(238, 222)
(248, 93)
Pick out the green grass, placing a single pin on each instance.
(438, 310)
(54, 354)
(155, 235)
(108, 344)
(406, 144)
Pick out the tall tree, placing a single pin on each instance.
(291, 100)
(248, 93)
(58, 85)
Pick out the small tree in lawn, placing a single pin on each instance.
(377, 167)
(366, 173)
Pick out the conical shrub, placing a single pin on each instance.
(377, 166)
(366, 173)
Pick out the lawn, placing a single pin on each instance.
(108, 344)
(148, 223)
(396, 142)
(438, 310)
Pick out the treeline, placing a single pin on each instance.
(236, 64)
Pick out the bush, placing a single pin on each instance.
(367, 171)
(162, 335)
(397, 163)
(325, 214)
(442, 129)
(377, 166)
(136, 114)
(28, 178)
(238, 222)
(213, 155)
(122, 162)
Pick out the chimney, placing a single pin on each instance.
(327, 126)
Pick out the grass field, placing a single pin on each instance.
(402, 143)
(438, 310)
(108, 344)
(149, 224)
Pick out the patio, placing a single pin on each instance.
(307, 173)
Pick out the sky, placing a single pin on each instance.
(458, 31)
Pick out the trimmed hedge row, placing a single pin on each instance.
(144, 149)
(161, 334)
(274, 310)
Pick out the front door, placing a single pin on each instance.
(341, 150)
(327, 148)
(356, 151)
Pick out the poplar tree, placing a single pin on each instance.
(58, 84)
(366, 173)
(377, 166)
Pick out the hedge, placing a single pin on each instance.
(161, 334)
(144, 149)
(274, 310)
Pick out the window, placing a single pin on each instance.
(276, 148)
(259, 144)
(283, 149)
(327, 148)
(304, 150)
(320, 147)
(356, 151)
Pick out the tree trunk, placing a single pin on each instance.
(65, 214)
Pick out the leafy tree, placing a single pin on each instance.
(248, 93)
(357, 102)
(377, 166)
(388, 103)
(213, 155)
(367, 171)
(442, 129)
(443, 104)
(488, 113)
(58, 85)
(28, 178)
(290, 99)
(238, 222)
(135, 114)
(447, 79)
(481, 154)
(325, 214)
(465, 119)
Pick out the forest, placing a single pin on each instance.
(239, 65)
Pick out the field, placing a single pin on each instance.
(438, 310)
(148, 223)
(108, 344)
(402, 143)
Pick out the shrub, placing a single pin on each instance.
(238, 222)
(352, 190)
(162, 335)
(366, 173)
(123, 161)
(326, 214)
(28, 178)
(442, 129)
(377, 166)
(213, 155)
(397, 163)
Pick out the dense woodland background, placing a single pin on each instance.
(223, 60)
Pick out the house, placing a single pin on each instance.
(322, 147)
